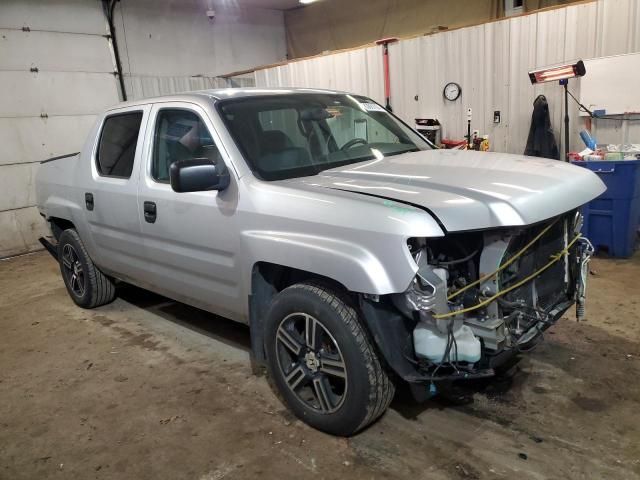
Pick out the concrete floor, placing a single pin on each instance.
(146, 388)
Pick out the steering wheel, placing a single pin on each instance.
(352, 142)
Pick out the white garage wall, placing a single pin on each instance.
(48, 111)
(171, 46)
(490, 62)
(166, 46)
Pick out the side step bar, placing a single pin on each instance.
(50, 247)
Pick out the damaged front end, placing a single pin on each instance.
(480, 298)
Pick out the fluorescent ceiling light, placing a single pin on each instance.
(306, 2)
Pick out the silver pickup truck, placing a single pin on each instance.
(359, 255)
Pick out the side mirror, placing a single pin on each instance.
(198, 175)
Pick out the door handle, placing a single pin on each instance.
(88, 200)
(150, 212)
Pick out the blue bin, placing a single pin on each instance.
(611, 220)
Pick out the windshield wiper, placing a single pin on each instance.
(411, 150)
(342, 163)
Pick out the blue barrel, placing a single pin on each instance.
(611, 220)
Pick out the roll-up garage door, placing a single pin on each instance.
(56, 74)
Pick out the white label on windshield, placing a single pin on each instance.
(372, 107)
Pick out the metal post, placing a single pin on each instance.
(469, 144)
(385, 65)
(565, 83)
(387, 82)
(109, 7)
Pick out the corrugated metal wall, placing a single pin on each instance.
(56, 73)
(145, 86)
(490, 62)
(358, 71)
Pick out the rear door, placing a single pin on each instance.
(110, 198)
(190, 238)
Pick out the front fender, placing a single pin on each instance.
(351, 264)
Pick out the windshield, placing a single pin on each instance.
(302, 134)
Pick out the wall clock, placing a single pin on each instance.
(452, 91)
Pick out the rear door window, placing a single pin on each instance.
(117, 148)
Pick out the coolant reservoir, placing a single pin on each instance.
(430, 343)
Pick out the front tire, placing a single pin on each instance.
(87, 286)
(322, 362)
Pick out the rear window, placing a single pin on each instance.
(117, 147)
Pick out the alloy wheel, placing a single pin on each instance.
(73, 270)
(311, 362)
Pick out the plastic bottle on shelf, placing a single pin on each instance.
(588, 140)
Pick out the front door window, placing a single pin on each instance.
(180, 135)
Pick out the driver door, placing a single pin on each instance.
(190, 239)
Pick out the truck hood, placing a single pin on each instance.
(468, 190)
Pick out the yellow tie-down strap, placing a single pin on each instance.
(554, 259)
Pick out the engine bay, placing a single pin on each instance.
(479, 295)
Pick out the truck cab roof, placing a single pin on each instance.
(220, 94)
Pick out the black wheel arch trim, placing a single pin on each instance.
(267, 279)
(388, 328)
(392, 333)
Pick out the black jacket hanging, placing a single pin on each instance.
(541, 141)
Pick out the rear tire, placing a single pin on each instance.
(87, 286)
(322, 362)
